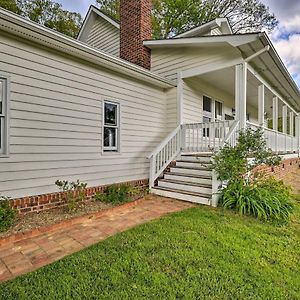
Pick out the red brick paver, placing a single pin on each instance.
(29, 254)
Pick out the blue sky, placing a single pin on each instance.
(286, 37)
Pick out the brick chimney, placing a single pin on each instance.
(136, 27)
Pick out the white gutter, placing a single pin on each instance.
(258, 53)
(19, 26)
(230, 39)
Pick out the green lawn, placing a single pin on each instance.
(200, 253)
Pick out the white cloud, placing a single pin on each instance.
(286, 37)
(288, 48)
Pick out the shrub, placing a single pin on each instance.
(231, 163)
(247, 191)
(117, 194)
(7, 214)
(263, 197)
(74, 193)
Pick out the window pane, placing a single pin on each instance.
(110, 137)
(219, 110)
(206, 104)
(111, 114)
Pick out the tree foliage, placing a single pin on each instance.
(171, 17)
(47, 13)
(238, 162)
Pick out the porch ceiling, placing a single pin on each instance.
(224, 81)
(270, 67)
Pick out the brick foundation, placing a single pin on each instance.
(48, 201)
(285, 167)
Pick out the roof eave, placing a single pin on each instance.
(233, 40)
(266, 41)
(43, 35)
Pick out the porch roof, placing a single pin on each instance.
(268, 65)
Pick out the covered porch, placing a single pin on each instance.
(235, 96)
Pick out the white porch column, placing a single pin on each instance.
(284, 118)
(241, 94)
(291, 123)
(275, 113)
(261, 105)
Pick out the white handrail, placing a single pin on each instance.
(278, 141)
(231, 137)
(164, 142)
(164, 154)
(199, 137)
(203, 137)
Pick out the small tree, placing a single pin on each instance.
(239, 162)
(248, 191)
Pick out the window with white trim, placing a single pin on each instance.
(218, 111)
(111, 126)
(3, 116)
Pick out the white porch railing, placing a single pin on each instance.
(188, 138)
(165, 152)
(203, 137)
(278, 141)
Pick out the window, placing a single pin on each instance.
(3, 116)
(206, 104)
(111, 128)
(218, 110)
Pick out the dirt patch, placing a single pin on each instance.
(293, 180)
(31, 221)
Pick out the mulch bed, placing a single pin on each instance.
(28, 222)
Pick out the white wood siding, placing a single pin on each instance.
(168, 62)
(172, 111)
(56, 117)
(104, 36)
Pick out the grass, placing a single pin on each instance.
(200, 253)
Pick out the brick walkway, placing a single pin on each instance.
(24, 256)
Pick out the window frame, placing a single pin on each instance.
(5, 116)
(116, 149)
(213, 109)
(222, 106)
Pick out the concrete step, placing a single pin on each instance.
(191, 171)
(183, 195)
(185, 186)
(189, 178)
(193, 164)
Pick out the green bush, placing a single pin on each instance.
(74, 193)
(7, 214)
(247, 191)
(117, 194)
(231, 163)
(263, 197)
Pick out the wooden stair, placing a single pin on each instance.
(189, 180)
